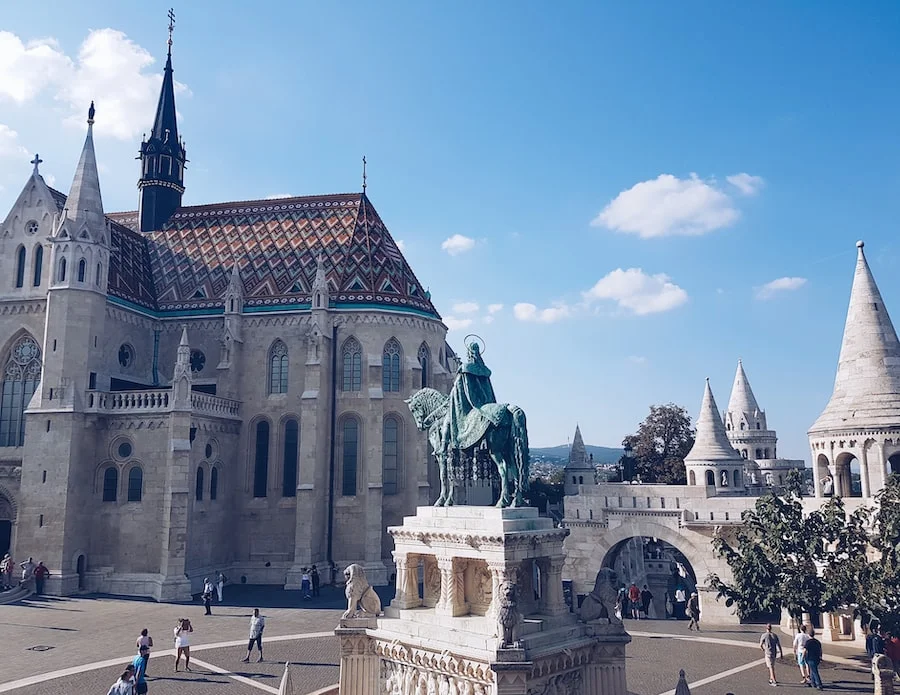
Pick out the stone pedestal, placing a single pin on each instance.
(442, 635)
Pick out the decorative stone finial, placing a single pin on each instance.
(91, 112)
(860, 244)
(37, 162)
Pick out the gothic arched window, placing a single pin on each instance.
(425, 363)
(213, 483)
(20, 267)
(351, 361)
(278, 368)
(21, 377)
(349, 456)
(198, 485)
(38, 264)
(692, 479)
(61, 270)
(98, 275)
(261, 460)
(135, 484)
(390, 456)
(759, 453)
(390, 366)
(82, 269)
(110, 484)
(737, 478)
(710, 478)
(291, 450)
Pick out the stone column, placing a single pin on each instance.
(864, 472)
(431, 581)
(552, 600)
(452, 600)
(838, 480)
(359, 663)
(500, 572)
(407, 595)
(511, 678)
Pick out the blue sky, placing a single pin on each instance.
(631, 175)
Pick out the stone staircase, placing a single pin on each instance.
(14, 595)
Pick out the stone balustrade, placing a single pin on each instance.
(158, 401)
(206, 404)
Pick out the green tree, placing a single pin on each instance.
(879, 584)
(544, 490)
(660, 444)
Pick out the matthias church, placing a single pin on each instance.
(188, 389)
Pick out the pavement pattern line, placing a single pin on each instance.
(719, 676)
(75, 670)
(234, 676)
(740, 643)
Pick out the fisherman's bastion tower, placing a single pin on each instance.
(213, 387)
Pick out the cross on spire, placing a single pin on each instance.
(364, 173)
(36, 161)
(171, 16)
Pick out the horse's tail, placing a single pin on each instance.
(519, 433)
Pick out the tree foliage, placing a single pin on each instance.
(545, 490)
(659, 446)
(783, 559)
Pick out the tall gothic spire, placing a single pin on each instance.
(162, 156)
(867, 385)
(578, 453)
(742, 399)
(711, 442)
(84, 203)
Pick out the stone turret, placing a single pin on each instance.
(232, 334)
(580, 467)
(862, 418)
(713, 461)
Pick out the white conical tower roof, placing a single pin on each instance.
(867, 386)
(577, 454)
(711, 442)
(742, 399)
(84, 203)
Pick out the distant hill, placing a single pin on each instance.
(602, 454)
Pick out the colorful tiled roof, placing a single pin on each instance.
(187, 264)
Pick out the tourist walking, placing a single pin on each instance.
(680, 601)
(207, 595)
(183, 630)
(771, 646)
(27, 573)
(305, 584)
(220, 584)
(813, 657)
(646, 598)
(693, 612)
(800, 640)
(123, 685)
(257, 625)
(314, 576)
(40, 576)
(140, 671)
(6, 569)
(634, 601)
(144, 640)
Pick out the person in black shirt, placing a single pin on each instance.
(813, 659)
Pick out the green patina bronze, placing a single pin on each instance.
(469, 418)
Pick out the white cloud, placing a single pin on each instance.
(458, 244)
(524, 311)
(747, 184)
(668, 205)
(786, 284)
(110, 69)
(465, 308)
(637, 359)
(638, 292)
(488, 319)
(10, 147)
(400, 245)
(455, 324)
(494, 308)
(276, 196)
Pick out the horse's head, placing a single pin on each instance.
(425, 404)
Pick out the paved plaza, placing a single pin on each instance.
(79, 645)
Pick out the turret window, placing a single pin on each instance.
(98, 275)
(38, 264)
(757, 425)
(61, 270)
(82, 269)
(135, 484)
(759, 453)
(261, 462)
(424, 363)
(349, 456)
(21, 376)
(278, 367)
(110, 484)
(213, 483)
(390, 455)
(390, 373)
(351, 360)
(20, 267)
(198, 485)
(291, 455)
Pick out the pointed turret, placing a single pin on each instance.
(181, 375)
(577, 454)
(742, 399)
(711, 442)
(867, 385)
(320, 285)
(580, 467)
(84, 203)
(163, 159)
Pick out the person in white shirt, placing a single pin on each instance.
(183, 630)
(257, 625)
(800, 640)
(123, 686)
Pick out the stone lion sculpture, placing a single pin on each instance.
(601, 602)
(362, 601)
(508, 617)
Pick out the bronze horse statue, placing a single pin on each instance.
(504, 436)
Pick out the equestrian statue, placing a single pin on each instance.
(469, 421)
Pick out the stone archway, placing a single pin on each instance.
(848, 472)
(894, 464)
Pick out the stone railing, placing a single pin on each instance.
(158, 401)
(206, 404)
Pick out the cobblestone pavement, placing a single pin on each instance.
(89, 639)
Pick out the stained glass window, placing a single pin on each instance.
(21, 377)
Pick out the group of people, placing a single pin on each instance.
(634, 602)
(33, 576)
(807, 650)
(880, 641)
(309, 582)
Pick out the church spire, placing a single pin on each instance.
(711, 442)
(84, 204)
(578, 453)
(867, 384)
(162, 156)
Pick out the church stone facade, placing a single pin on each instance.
(217, 387)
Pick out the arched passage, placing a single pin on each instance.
(849, 475)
